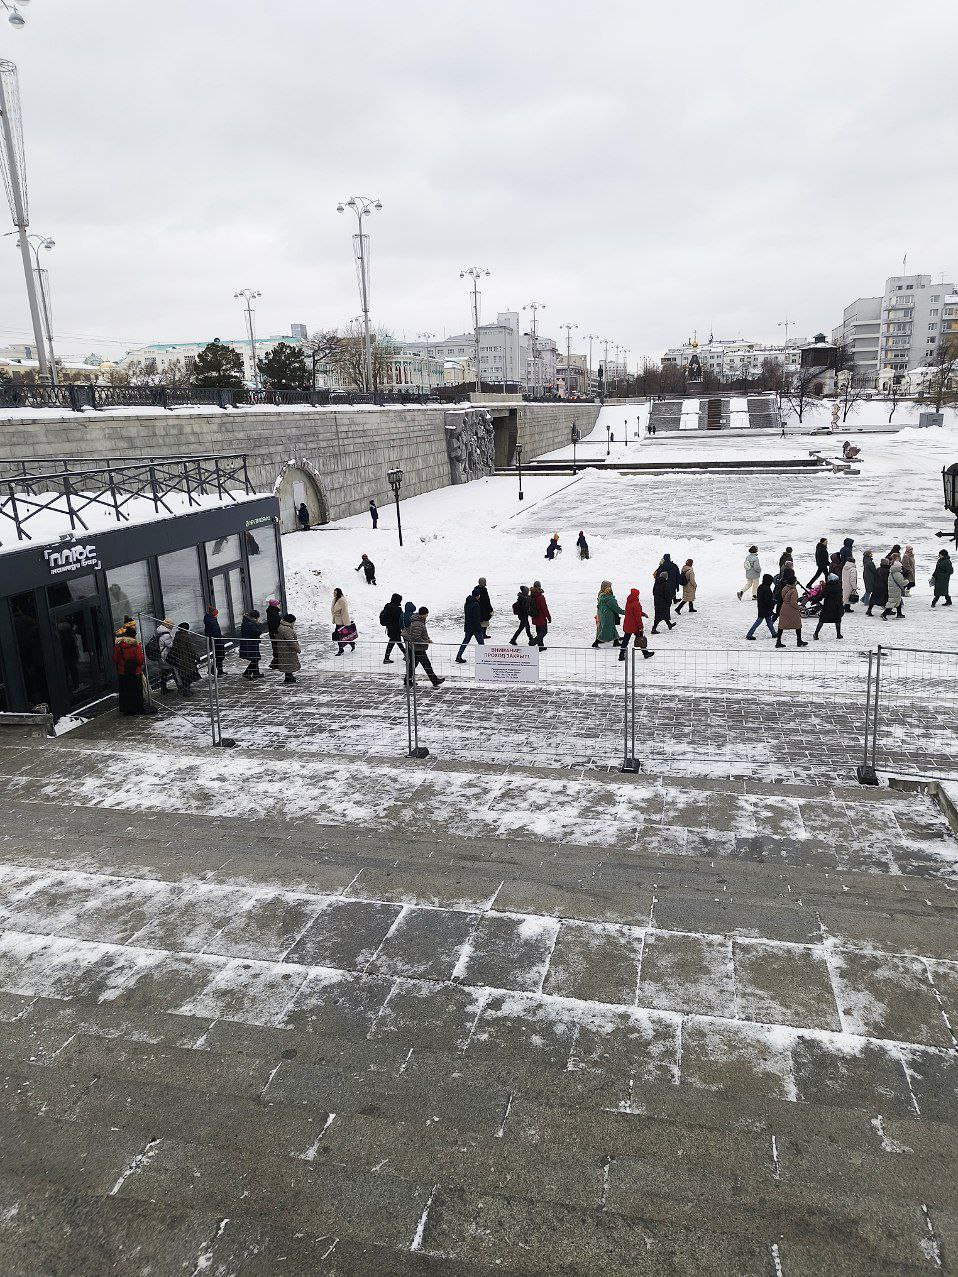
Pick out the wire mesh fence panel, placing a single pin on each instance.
(915, 729)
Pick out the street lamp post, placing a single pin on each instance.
(362, 206)
(534, 306)
(475, 273)
(608, 441)
(15, 183)
(427, 337)
(575, 440)
(249, 295)
(519, 468)
(605, 369)
(949, 478)
(568, 355)
(36, 243)
(590, 338)
(395, 482)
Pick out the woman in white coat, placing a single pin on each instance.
(849, 583)
(344, 632)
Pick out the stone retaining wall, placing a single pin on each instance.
(339, 456)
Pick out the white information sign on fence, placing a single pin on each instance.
(506, 664)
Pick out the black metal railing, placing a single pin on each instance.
(86, 398)
(31, 487)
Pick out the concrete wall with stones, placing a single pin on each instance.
(348, 451)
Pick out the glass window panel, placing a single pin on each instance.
(71, 590)
(221, 551)
(182, 591)
(27, 629)
(263, 565)
(129, 592)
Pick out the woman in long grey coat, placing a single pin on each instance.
(287, 658)
(897, 585)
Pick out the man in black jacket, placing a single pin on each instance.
(521, 609)
(472, 624)
(391, 618)
(273, 617)
(821, 562)
(485, 605)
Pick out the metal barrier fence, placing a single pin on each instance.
(911, 714)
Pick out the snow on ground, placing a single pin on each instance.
(457, 534)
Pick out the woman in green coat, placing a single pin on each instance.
(941, 578)
(607, 616)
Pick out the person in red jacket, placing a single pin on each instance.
(129, 660)
(539, 615)
(632, 626)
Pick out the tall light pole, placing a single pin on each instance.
(249, 295)
(605, 369)
(568, 354)
(14, 170)
(362, 206)
(427, 337)
(534, 306)
(46, 309)
(475, 273)
(590, 338)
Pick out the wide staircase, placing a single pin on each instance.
(665, 414)
(717, 1037)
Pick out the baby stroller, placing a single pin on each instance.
(810, 604)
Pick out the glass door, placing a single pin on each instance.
(79, 648)
(226, 594)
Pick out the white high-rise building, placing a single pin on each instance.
(859, 331)
(898, 331)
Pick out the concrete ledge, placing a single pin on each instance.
(19, 725)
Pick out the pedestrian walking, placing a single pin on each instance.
(765, 603)
(472, 625)
(164, 642)
(674, 575)
(607, 616)
(880, 591)
(391, 618)
(789, 613)
(849, 580)
(250, 631)
(908, 566)
(374, 513)
(847, 550)
(368, 568)
(344, 631)
(832, 606)
(553, 548)
(896, 590)
(289, 648)
(632, 627)
(420, 641)
(521, 610)
(689, 586)
(662, 596)
(302, 516)
(940, 580)
(129, 660)
(869, 575)
(753, 572)
(539, 615)
(787, 556)
(485, 605)
(821, 561)
(408, 612)
(183, 658)
(273, 617)
(583, 545)
(213, 632)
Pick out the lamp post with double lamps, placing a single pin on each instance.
(395, 482)
(362, 206)
(41, 276)
(475, 273)
(249, 295)
(568, 355)
(427, 337)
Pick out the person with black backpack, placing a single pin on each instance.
(158, 650)
(391, 619)
(521, 610)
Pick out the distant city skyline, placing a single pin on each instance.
(648, 178)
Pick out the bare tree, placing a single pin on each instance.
(946, 371)
(851, 394)
(800, 390)
(772, 376)
(320, 349)
(348, 357)
(894, 394)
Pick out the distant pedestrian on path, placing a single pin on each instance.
(832, 606)
(213, 631)
(183, 658)
(689, 586)
(539, 615)
(391, 618)
(908, 566)
(583, 545)
(420, 641)
(789, 613)
(787, 556)
(607, 616)
(521, 609)
(940, 581)
(880, 591)
(129, 660)
(374, 513)
(273, 618)
(896, 590)
(674, 575)
(344, 631)
(472, 625)
(408, 612)
(250, 631)
(485, 605)
(164, 643)
(367, 566)
(632, 626)
(765, 600)
(302, 516)
(753, 572)
(650, 428)
(869, 575)
(849, 579)
(821, 561)
(662, 602)
(553, 548)
(289, 648)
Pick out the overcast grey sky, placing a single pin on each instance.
(642, 168)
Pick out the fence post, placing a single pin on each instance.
(68, 493)
(153, 489)
(412, 704)
(629, 761)
(866, 770)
